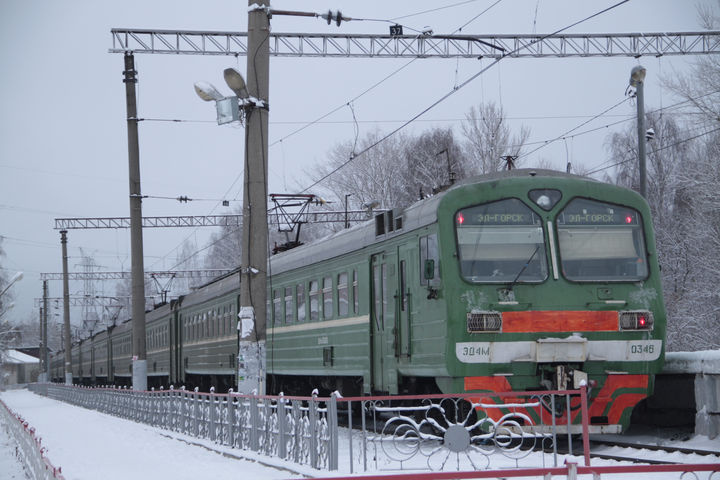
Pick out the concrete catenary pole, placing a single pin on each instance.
(44, 356)
(637, 80)
(139, 362)
(253, 294)
(67, 344)
(641, 138)
(40, 349)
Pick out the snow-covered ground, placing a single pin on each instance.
(10, 467)
(89, 445)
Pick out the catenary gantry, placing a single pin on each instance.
(187, 42)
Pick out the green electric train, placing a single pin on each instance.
(514, 281)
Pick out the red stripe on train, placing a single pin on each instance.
(560, 321)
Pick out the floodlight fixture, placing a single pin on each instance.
(207, 92)
(637, 75)
(236, 82)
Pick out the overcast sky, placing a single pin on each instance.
(63, 136)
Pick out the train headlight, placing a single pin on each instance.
(636, 320)
(478, 322)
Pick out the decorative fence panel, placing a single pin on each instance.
(436, 432)
(299, 429)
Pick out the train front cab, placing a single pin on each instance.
(553, 287)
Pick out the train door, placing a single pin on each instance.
(171, 345)
(176, 341)
(382, 318)
(110, 358)
(403, 300)
(93, 373)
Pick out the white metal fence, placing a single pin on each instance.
(29, 446)
(298, 429)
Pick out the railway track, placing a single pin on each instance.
(646, 453)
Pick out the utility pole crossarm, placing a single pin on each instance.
(424, 46)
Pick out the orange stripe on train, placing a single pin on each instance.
(560, 321)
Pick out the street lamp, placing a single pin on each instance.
(637, 80)
(253, 265)
(229, 109)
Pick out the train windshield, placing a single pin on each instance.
(601, 242)
(501, 242)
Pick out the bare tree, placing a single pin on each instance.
(6, 298)
(489, 139)
(683, 176)
(433, 160)
(396, 171)
(378, 175)
(224, 248)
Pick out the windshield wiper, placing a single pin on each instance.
(527, 263)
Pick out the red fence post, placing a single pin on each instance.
(585, 423)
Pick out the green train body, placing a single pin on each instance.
(521, 280)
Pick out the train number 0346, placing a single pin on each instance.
(642, 348)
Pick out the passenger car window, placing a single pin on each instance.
(342, 288)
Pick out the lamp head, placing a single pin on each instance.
(637, 75)
(236, 82)
(207, 92)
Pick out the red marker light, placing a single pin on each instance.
(641, 321)
(628, 219)
(460, 219)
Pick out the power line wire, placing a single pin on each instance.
(372, 87)
(653, 151)
(456, 89)
(564, 135)
(434, 9)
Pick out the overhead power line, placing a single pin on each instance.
(454, 90)
(655, 150)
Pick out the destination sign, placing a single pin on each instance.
(588, 212)
(504, 212)
(588, 218)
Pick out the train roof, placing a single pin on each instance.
(417, 215)
(213, 289)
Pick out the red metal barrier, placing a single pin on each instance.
(570, 471)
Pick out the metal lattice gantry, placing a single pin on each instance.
(187, 42)
(209, 273)
(204, 220)
(147, 222)
(89, 301)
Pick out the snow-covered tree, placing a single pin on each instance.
(378, 175)
(433, 159)
(489, 139)
(683, 176)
